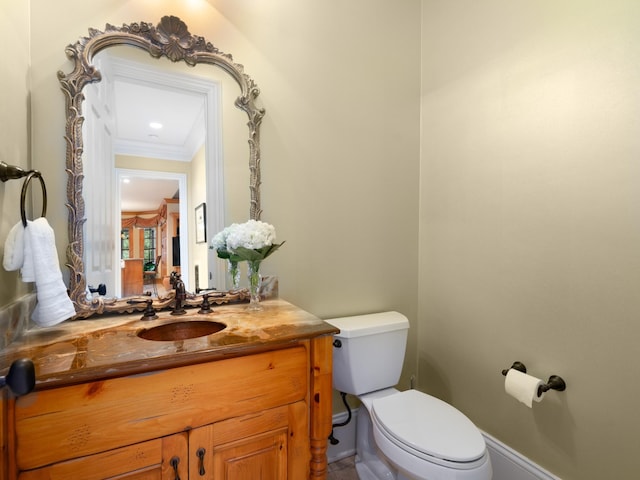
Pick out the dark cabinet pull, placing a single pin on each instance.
(200, 453)
(174, 463)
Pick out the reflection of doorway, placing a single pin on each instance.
(189, 108)
(142, 90)
(146, 201)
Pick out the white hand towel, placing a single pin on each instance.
(14, 248)
(54, 305)
(27, 271)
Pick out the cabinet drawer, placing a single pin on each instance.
(84, 419)
(141, 461)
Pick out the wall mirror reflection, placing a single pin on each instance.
(156, 126)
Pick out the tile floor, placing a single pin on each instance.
(342, 470)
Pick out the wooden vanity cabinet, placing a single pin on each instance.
(265, 415)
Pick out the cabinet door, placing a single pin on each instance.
(261, 457)
(160, 459)
(268, 445)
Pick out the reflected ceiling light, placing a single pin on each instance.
(155, 125)
(126, 180)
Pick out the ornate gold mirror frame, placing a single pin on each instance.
(171, 39)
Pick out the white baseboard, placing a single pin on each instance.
(510, 465)
(346, 435)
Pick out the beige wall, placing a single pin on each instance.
(530, 222)
(14, 130)
(198, 252)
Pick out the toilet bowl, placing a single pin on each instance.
(400, 435)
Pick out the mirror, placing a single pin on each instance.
(155, 122)
(171, 40)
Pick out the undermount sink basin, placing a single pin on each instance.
(181, 330)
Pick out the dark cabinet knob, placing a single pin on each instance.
(174, 463)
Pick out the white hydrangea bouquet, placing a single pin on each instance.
(219, 244)
(252, 241)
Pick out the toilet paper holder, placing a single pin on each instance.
(555, 382)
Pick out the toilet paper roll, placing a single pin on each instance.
(523, 387)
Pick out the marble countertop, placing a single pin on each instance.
(107, 347)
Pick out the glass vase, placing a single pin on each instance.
(234, 275)
(255, 280)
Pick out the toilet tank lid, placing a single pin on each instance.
(369, 324)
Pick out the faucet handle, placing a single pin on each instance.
(149, 313)
(205, 307)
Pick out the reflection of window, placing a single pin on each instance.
(149, 245)
(124, 244)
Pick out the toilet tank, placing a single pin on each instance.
(370, 352)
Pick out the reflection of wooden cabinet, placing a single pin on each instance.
(255, 416)
(132, 277)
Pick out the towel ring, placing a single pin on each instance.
(23, 195)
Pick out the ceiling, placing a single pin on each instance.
(181, 115)
(143, 194)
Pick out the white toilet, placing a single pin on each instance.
(400, 435)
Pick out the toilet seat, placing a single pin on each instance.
(429, 429)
